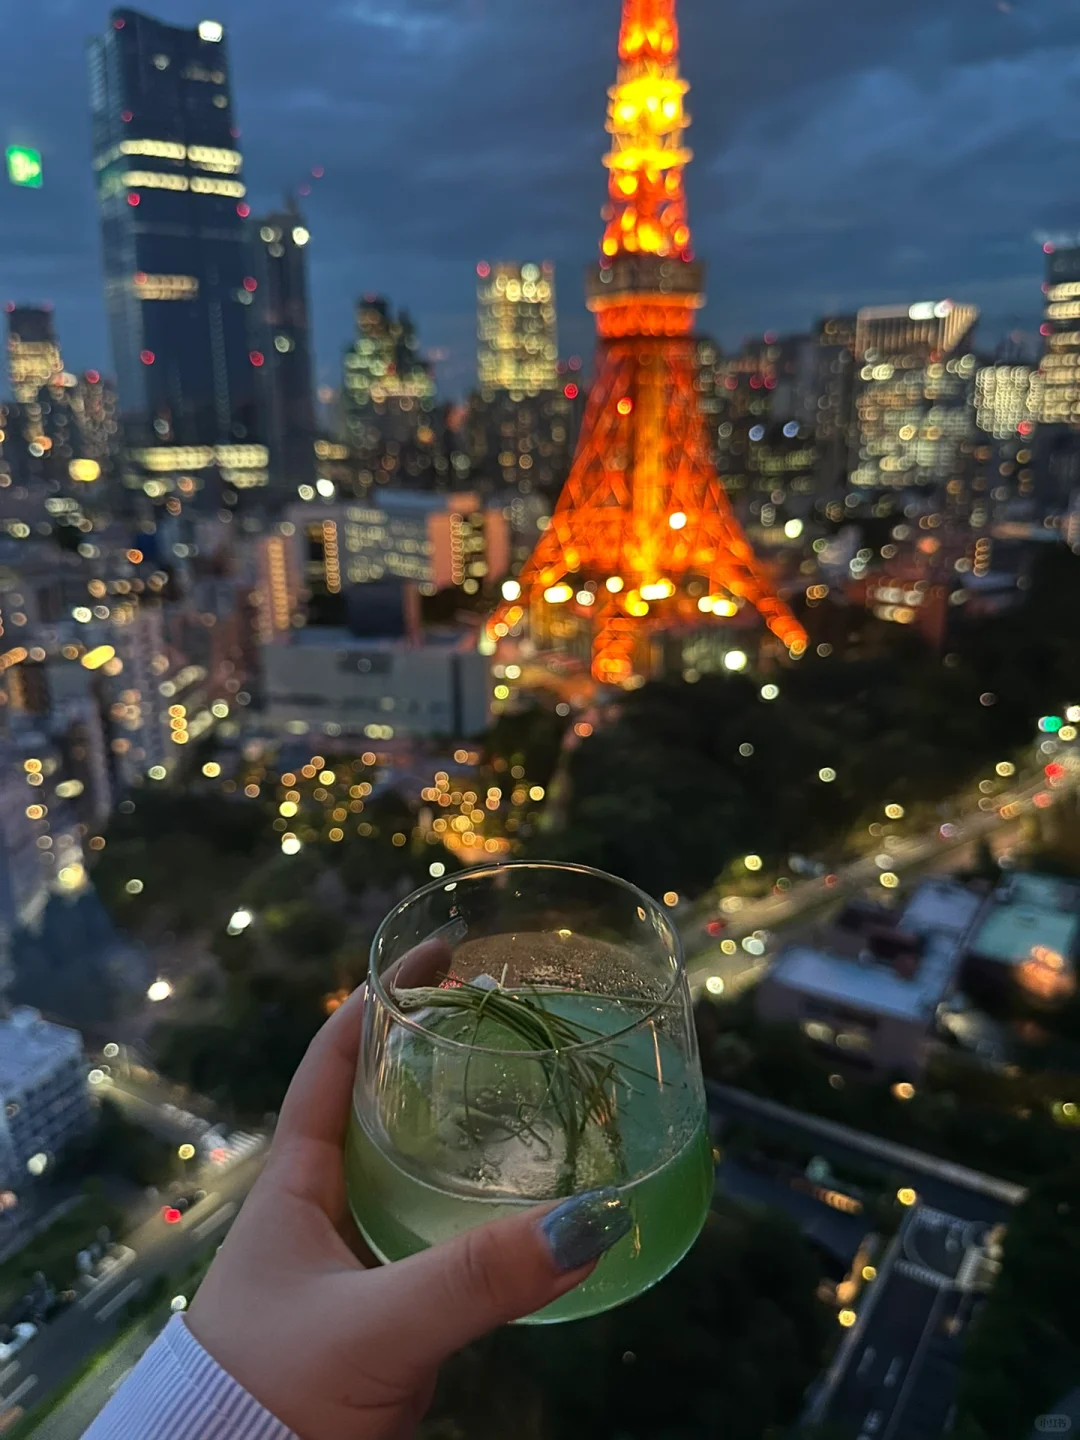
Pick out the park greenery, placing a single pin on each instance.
(732, 1337)
(664, 794)
(1024, 1353)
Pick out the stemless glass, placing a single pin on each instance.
(528, 1035)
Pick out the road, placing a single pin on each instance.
(152, 1104)
(905, 854)
(73, 1415)
(898, 1369)
(74, 1336)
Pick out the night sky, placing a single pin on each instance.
(846, 153)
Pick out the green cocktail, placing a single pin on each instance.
(444, 1165)
(528, 1036)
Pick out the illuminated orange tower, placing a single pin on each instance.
(643, 537)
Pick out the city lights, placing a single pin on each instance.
(735, 660)
(24, 167)
(239, 921)
(158, 991)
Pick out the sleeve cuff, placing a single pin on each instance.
(179, 1392)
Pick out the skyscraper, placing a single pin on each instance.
(523, 417)
(33, 350)
(1060, 367)
(175, 241)
(388, 394)
(516, 329)
(287, 397)
(913, 397)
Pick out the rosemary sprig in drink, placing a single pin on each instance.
(580, 1085)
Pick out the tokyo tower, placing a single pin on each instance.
(643, 537)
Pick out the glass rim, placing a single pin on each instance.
(402, 1017)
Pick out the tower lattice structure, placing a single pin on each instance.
(643, 537)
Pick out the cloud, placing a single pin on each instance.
(846, 154)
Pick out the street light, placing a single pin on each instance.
(159, 990)
(186, 1152)
(239, 921)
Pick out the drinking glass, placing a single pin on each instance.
(528, 1035)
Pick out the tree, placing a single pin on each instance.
(1024, 1351)
(735, 1331)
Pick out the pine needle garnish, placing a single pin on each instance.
(580, 1085)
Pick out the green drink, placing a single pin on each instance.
(528, 1037)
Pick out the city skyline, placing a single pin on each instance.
(812, 133)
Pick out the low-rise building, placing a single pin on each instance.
(330, 682)
(43, 1097)
(1026, 944)
(868, 990)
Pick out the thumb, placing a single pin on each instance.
(436, 1302)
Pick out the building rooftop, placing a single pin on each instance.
(940, 905)
(31, 1049)
(940, 912)
(1030, 910)
(326, 637)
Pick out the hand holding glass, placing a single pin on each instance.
(528, 1036)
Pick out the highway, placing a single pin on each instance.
(75, 1335)
(905, 854)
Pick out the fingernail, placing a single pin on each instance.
(583, 1227)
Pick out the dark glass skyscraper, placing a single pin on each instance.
(175, 239)
(287, 398)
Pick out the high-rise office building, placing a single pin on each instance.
(287, 395)
(517, 329)
(914, 391)
(388, 390)
(524, 418)
(1060, 365)
(1008, 399)
(830, 402)
(33, 350)
(175, 239)
(441, 541)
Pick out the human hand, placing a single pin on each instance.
(339, 1347)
